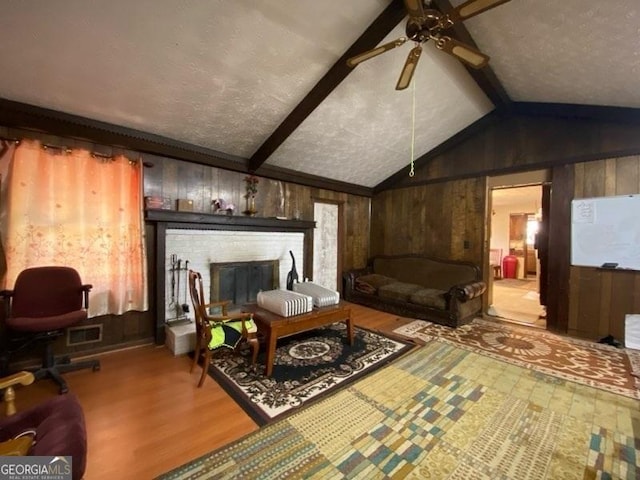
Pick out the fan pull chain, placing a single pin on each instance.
(413, 128)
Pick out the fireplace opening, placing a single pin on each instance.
(240, 282)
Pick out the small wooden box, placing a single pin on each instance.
(181, 339)
(185, 205)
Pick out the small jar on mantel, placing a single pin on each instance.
(251, 206)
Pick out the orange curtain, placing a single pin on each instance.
(73, 209)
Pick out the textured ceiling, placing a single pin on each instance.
(220, 74)
(570, 51)
(362, 132)
(225, 74)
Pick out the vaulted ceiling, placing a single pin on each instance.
(262, 85)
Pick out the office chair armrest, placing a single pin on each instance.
(6, 293)
(20, 378)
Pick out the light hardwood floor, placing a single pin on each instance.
(145, 415)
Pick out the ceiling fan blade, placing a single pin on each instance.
(471, 8)
(409, 67)
(414, 8)
(355, 60)
(462, 51)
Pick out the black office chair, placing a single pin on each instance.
(44, 301)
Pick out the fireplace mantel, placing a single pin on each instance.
(162, 220)
(225, 222)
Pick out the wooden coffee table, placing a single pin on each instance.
(275, 326)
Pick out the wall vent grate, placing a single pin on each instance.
(84, 334)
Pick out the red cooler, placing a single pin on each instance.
(509, 267)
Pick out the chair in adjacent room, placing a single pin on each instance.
(495, 260)
(43, 303)
(220, 329)
(52, 428)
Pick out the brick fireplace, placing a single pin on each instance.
(205, 248)
(205, 240)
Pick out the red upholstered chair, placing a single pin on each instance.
(55, 427)
(44, 301)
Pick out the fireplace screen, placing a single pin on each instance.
(240, 282)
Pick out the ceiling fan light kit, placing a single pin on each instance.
(428, 24)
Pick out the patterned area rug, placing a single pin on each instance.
(442, 412)
(588, 363)
(306, 366)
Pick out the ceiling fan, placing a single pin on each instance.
(426, 24)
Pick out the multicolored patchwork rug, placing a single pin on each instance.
(442, 412)
(306, 366)
(589, 363)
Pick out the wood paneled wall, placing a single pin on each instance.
(599, 299)
(177, 179)
(444, 220)
(521, 142)
(444, 205)
(442, 210)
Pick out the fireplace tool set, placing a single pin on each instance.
(178, 291)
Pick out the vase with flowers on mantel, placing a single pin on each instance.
(251, 188)
(251, 206)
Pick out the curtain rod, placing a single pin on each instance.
(66, 149)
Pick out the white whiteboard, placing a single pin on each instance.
(606, 229)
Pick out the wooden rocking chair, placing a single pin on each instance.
(214, 331)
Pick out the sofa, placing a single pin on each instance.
(442, 291)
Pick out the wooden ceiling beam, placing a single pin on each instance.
(597, 113)
(600, 113)
(37, 121)
(372, 36)
(457, 139)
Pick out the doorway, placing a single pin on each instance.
(326, 244)
(515, 282)
(523, 228)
